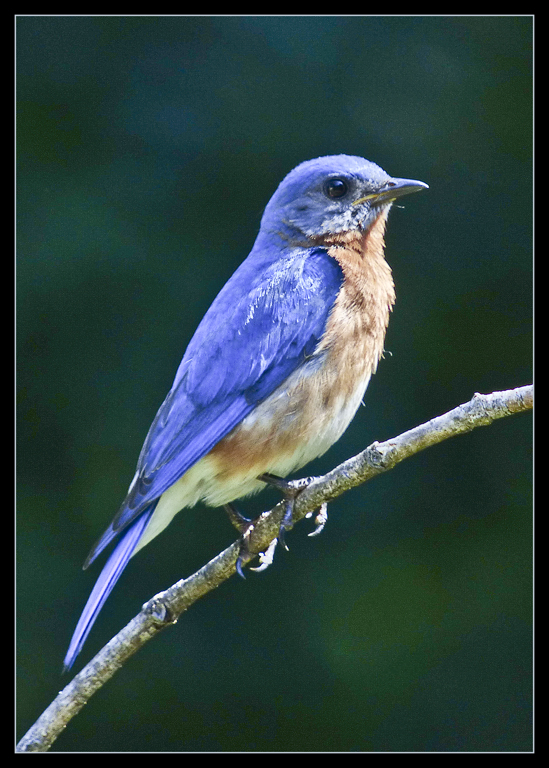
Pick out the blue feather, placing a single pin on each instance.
(105, 584)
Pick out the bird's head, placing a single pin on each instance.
(332, 195)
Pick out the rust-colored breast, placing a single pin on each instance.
(355, 332)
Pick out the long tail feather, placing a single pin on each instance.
(105, 583)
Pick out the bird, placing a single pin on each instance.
(279, 364)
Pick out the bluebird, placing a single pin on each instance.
(278, 366)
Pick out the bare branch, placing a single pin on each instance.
(165, 608)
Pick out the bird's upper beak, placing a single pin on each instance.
(392, 189)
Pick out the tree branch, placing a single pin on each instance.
(165, 608)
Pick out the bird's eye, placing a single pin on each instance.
(335, 188)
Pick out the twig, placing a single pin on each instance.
(165, 608)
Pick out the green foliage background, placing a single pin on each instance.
(147, 149)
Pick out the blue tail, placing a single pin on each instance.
(104, 585)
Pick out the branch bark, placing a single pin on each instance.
(165, 608)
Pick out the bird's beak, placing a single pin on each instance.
(392, 189)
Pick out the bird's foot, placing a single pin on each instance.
(320, 520)
(290, 490)
(266, 558)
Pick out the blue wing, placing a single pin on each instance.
(262, 326)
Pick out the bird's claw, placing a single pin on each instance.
(266, 558)
(320, 520)
(291, 490)
(243, 550)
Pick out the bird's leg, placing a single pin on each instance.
(290, 490)
(242, 525)
(237, 519)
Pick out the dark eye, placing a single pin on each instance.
(335, 188)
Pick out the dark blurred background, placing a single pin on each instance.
(147, 150)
